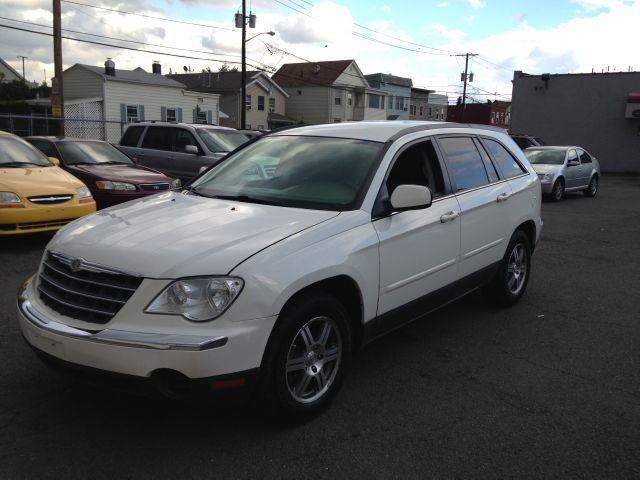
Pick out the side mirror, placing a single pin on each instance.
(54, 160)
(191, 149)
(573, 163)
(410, 197)
(202, 169)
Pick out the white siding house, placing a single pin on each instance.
(125, 96)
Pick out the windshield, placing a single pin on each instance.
(77, 153)
(303, 172)
(15, 152)
(544, 157)
(221, 140)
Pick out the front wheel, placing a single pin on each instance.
(557, 191)
(306, 358)
(513, 275)
(592, 189)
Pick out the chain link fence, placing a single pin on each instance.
(38, 124)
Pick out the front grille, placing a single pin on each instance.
(154, 187)
(50, 199)
(88, 292)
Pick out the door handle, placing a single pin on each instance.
(503, 196)
(449, 216)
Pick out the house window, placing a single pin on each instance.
(405, 104)
(201, 117)
(338, 99)
(132, 113)
(349, 99)
(374, 101)
(430, 112)
(412, 109)
(421, 110)
(260, 102)
(272, 105)
(398, 103)
(247, 102)
(172, 115)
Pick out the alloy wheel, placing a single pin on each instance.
(517, 269)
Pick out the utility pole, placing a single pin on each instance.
(464, 78)
(57, 87)
(24, 79)
(241, 21)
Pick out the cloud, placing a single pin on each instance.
(521, 17)
(325, 22)
(476, 4)
(440, 30)
(386, 8)
(442, 5)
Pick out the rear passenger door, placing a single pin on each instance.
(483, 198)
(155, 148)
(418, 248)
(586, 167)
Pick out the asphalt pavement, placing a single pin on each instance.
(549, 388)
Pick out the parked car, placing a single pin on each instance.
(526, 141)
(110, 175)
(271, 277)
(565, 169)
(251, 134)
(35, 194)
(179, 149)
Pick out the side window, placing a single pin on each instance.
(417, 165)
(584, 156)
(488, 164)
(572, 156)
(182, 139)
(464, 162)
(131, 136)
(45, 147)
(157, 138)
(260, 102)
(506, 162)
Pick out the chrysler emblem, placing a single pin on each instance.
(76, 264)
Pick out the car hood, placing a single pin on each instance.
(542, 168)
(29, 181)
(121, 173)
(172, 235)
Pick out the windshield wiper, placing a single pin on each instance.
(249, 199)
(20, 164)
(194, 191)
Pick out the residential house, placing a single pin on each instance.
(398, 90)
(329, 92)
(490, 113)
(100, 101)
(8, 73)
(437, 107)
(264, 103)
(419, 104)
(598, 111)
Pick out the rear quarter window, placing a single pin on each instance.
(131, 136)
(506, 162)
(464, 162)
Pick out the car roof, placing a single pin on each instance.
(62, 139)
(180, 124)
(378, 130)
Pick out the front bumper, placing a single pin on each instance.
(42, 218)
(142, 354)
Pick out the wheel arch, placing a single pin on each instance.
(346, 290)
(529, 229)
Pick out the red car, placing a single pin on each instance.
(111, 176)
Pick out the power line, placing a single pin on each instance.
(150, 16)
(127, 48)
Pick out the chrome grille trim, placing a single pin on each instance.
(49, 199)
(84, 290)
(151, 187)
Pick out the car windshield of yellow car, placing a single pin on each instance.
(15, 153)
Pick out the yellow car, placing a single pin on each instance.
(35, 194)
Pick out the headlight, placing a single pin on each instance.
(545, 177)
(197, 299)
(107, 185)
(9, 197)
(83, 192)
(176, 184)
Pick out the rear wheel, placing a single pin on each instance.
(306, 358)
(592, 189)
(513, 275)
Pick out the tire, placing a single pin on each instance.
(306, 357)
(512, 278)
(592, 189)
(557, 191)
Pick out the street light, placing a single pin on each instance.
(241, 21)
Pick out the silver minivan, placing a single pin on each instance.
(179, 149)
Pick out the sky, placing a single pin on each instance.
(425, 40)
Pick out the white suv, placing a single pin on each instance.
(276, 264)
